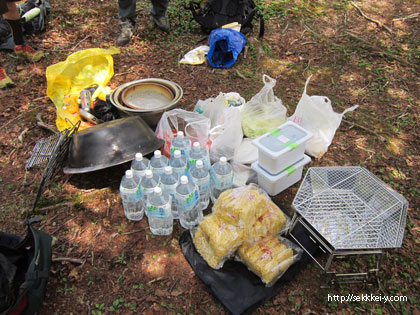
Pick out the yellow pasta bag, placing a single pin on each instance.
(224, 238)
(202, 245)
(269, 223)
(241, 206)
(268, 258)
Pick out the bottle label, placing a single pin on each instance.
(130, 194)
(203, 184)
(188, 202)
(148, 191)
(222, 181)
(162, 212)
(192, 162)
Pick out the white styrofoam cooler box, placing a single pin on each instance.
(281, 147)
(275, 184)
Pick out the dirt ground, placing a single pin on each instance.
(368, 56)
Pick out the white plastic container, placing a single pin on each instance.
(281, 147)
(275, 184)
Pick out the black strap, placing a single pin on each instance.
(37, 274)
(261, 33)
(33, 220)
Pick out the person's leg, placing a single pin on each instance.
(127, 10)
(12, 17)
(158, 12)
(127, 16)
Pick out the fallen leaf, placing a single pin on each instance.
(176, 292)
(74, 274)
(160, 292)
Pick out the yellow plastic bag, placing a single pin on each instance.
(80, 70)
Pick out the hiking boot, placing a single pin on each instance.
(127, 32)
(28, 53)
(5, 81)
(162, 23)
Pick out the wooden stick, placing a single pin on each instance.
(22, 134)
(42, 124)
(74, 47)
(73, 260)
(365, 129)
(376, 50)
(380, 24)
(135, 231)
(65, 204)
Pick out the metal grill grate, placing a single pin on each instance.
(351, 208)
(42, 151)
(56, 159)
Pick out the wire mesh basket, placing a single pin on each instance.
(351, 208)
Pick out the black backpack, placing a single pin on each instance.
(38, 24)
(212, 14)
(24, 270)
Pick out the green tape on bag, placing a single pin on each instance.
(290, 170)
(275, 132)
(292, 145)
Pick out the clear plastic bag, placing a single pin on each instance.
(226, 131)
(194, 126)
(315, 114)
(263, 112)
(250, 208)
(216, 241)
(270, 257)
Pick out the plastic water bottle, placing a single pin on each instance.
(221, 178)
(131, 196)
(188, 201)
(168, 183)
(139, 165)
(178, 163)
(182, 144)
(158, 163)
(148, 184)
(199, 153)
(201, 177)
(159, 213)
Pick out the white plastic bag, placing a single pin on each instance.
(247, 153)
(212, 108)
(226, 136)
(315, 114)
(197, 56)
(263, 112)
(243, 174)
(194, 125)
(226, 131)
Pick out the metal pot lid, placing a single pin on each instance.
(115, 96)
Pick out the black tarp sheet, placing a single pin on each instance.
(237, 288)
